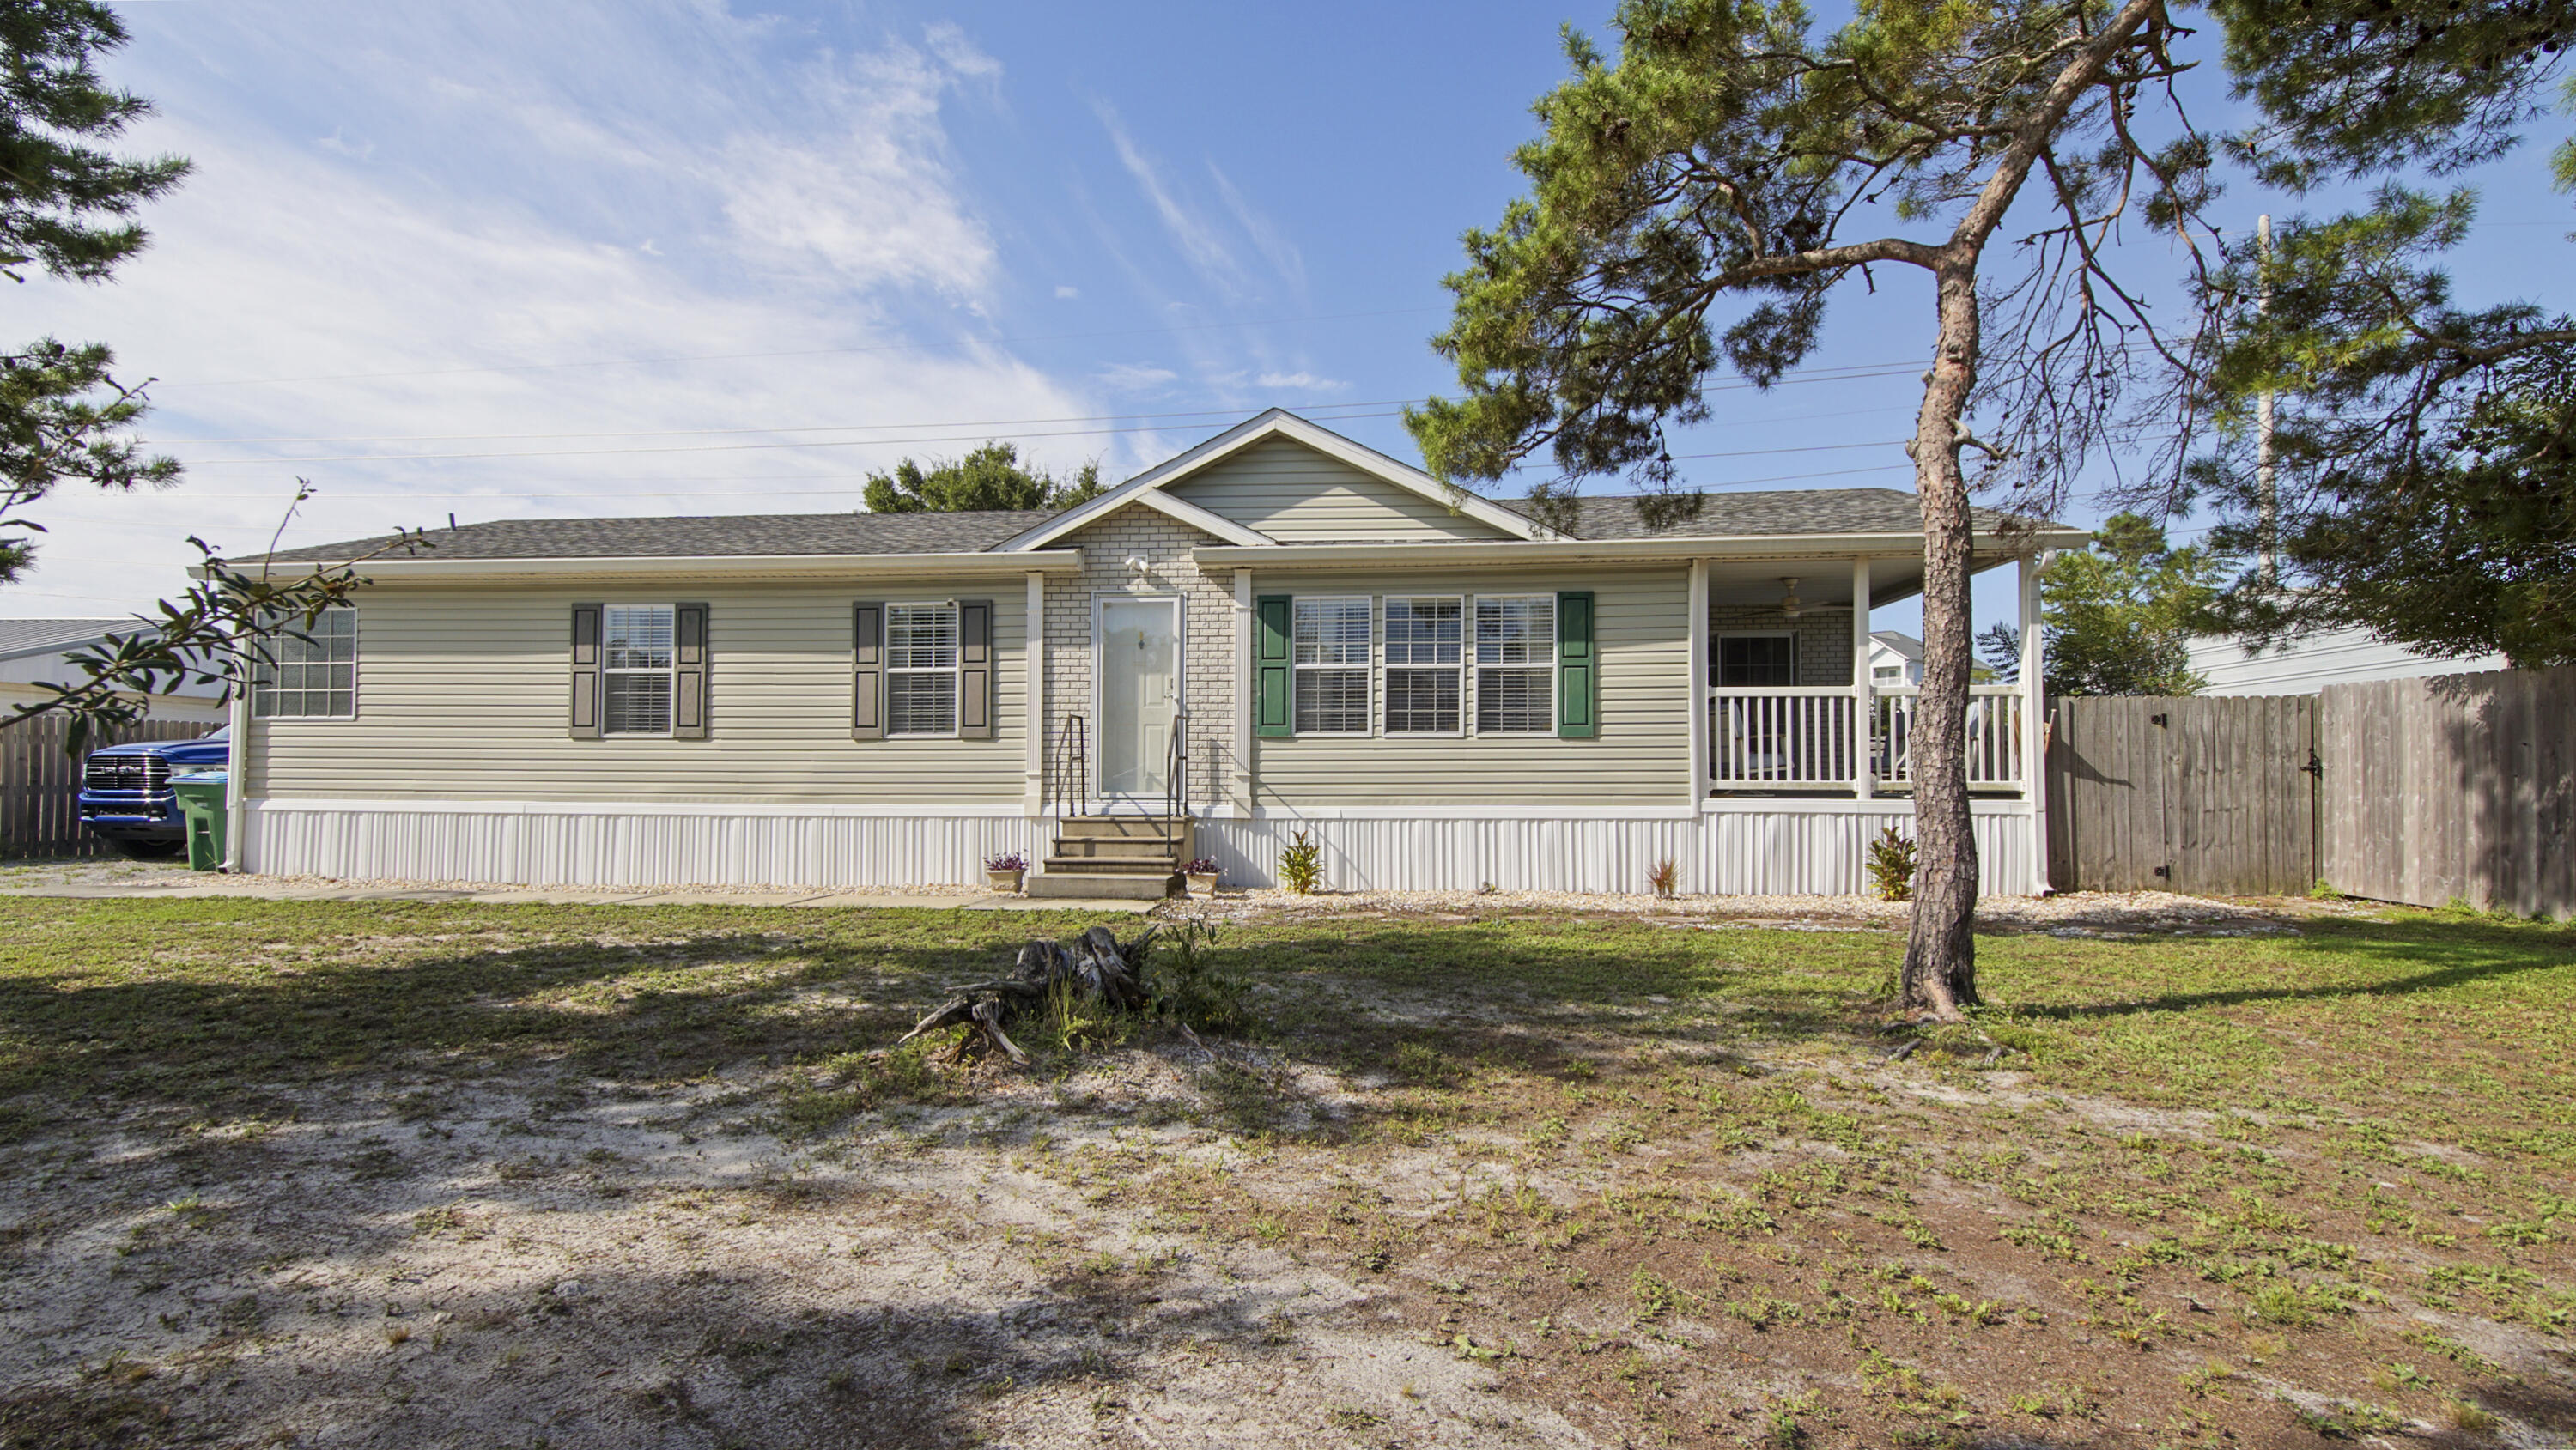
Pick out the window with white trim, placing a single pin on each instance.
(1515, 664)
(1754, 661)
(1425, 665)
(1331, 659)
(312, 669)
(638, 648)
(1888, 674)
(921, 669)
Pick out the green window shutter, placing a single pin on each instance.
(1578, 668)
(1272, 693)
(975, 669)
(585, 672)
(689, 672)
(867, 681)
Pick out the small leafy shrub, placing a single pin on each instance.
(1891, 865)
(1192, 989)
(1666, 878)
(1301, 865)
(1011, 861)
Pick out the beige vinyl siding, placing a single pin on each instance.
(1642, 756)
(1299, 496)
(462, 695)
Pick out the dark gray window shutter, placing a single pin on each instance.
(585, 672)
(867, 689)
(975, 669)
(1272, 693)
(689, 672)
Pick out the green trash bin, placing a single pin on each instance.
(201, 802)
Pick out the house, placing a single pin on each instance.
(1895, 658)
(34, 651)
(2309, 663)
(1277, 631)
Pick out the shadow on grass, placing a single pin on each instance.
(2374, 961)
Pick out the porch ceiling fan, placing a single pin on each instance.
(1790, 608)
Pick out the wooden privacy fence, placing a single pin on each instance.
(2153, 793)
(40, 784)
(2455, 788)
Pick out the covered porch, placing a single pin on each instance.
(1786, 704)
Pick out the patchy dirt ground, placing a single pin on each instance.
(337, 1175)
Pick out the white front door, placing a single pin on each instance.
(1140, 661)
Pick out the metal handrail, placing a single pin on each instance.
(1069, 763)
(1176, 791)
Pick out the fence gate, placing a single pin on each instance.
(2215, 795)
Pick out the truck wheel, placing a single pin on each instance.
(148, 850)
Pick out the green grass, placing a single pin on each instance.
(2252, 1149)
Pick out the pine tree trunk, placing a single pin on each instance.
(1941, 953)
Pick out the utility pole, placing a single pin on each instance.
(2265, 488)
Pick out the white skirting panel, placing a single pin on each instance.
(1743, 848)
(631, 845)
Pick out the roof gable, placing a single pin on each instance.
(1278, 475)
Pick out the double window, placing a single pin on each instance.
(1332, 666)
(640, 653)
(1424, 665)
(921, 656)
(1515, 664)
(311, 669)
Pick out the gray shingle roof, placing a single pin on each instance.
(1723, 515)
(1905, 645)
(726, 537)
(1785, 511)
(44, 636)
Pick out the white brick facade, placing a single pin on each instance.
(1111, 549)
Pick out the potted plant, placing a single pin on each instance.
(1202, 873)
(1007, 872)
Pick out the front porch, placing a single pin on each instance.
(1786, 703)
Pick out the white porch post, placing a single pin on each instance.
(237, 769)
(1697, 713)
(1033, 787)
(1864, 701)
(1246, 686)
(2034, 719)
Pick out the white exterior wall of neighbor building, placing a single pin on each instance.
(2310, 664)
(1883, 656)
(19, 675)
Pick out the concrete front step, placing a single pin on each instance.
(1093, 886)
(1113, 865)
(1117, 849)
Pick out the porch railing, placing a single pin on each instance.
(1782, 736)
(1811, 737)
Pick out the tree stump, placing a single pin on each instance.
(1096, 968)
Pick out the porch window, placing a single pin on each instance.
(1753, 661)
(1516, 664)
(311, 670)
(1332, 664)
(921, 669)
(640, 642)
(1424, 666)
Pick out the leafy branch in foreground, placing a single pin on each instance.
(222, 630)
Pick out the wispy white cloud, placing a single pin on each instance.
(1301, 382)
(1196, 239)
(1274, 246)
(1135, 378)
(493, 169)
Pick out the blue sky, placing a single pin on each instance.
(633, 258)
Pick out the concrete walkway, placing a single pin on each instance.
(182, 886)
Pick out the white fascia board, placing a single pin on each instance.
(1991, 548)
(1277, 423)
(693, 566)
(1206, 521)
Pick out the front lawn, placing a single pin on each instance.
(401, 1174)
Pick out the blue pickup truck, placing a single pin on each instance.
(125, 791)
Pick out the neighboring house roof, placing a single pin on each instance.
(49, 636)
(1903, 645)
(743, 535)
(2309, 663)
